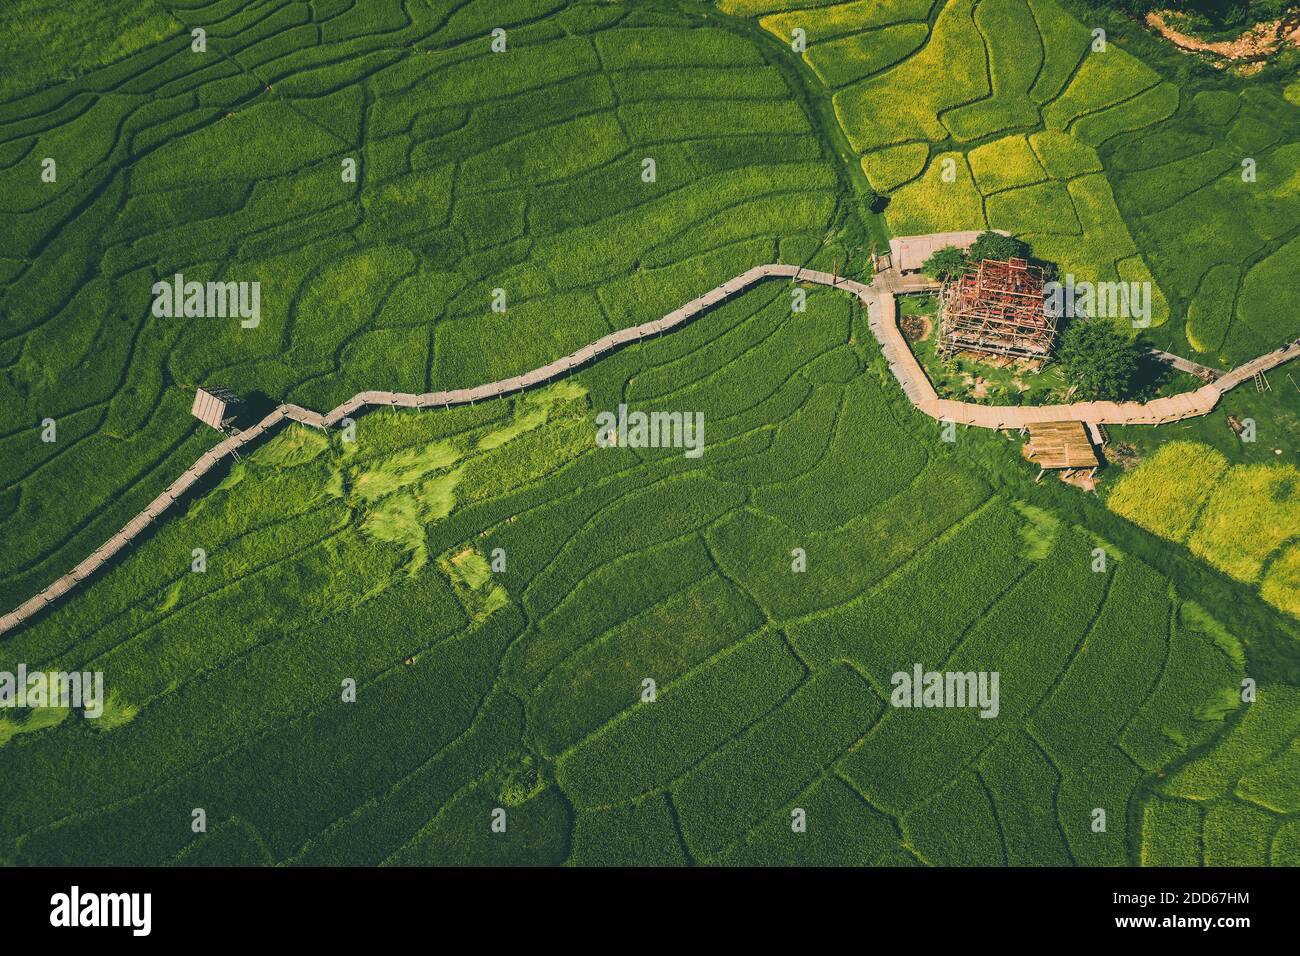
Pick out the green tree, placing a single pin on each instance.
(1097, 360)
(945, 263)
(994, 245)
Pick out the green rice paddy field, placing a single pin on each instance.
(521, 688)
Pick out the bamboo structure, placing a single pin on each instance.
(996, 309)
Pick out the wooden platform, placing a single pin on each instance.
(215, 406)
(1061, 445)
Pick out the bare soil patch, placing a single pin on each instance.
(1257, 43)
(917, 328)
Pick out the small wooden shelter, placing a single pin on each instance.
(1062, 445)
(217, 407)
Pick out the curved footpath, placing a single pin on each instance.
(878, 297)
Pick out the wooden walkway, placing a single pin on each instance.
(878, 299)
(1185, 365)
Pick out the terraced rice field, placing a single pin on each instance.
(228, 166)
(771, 694)
(1103, 163)
(499, 588)
(987, 115)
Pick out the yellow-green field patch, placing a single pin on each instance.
(1004, 163)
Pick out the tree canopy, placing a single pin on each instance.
(945, 263)
(1097, 360)
(994, 245)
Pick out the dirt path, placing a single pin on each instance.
(879, 300)
(1258, 43)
